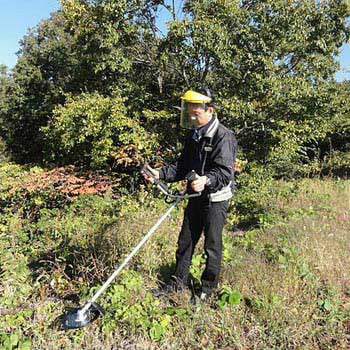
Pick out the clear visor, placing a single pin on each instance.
(190, 113)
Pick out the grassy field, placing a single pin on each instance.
(284, 285)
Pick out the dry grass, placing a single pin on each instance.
(294, 277)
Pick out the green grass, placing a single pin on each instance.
(284, 285)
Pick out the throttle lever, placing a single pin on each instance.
(162, 186)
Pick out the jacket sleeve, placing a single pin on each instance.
(176, 171)
(223, 156)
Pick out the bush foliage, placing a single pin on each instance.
(94, 130)
(271, 65)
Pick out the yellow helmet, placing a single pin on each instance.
(195, 97)
(189, 100)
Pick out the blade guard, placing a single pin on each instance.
(77, 319)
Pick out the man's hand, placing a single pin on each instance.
(199, 184)
(154, 172)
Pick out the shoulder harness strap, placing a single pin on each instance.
(208, 147)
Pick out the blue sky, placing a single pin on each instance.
(17, 16)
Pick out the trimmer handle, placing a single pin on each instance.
(147, 170)
(192, 176)
(162, 186)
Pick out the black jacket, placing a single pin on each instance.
(221, 147)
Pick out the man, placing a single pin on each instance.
(209, 150)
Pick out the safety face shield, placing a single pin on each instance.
(191, 114)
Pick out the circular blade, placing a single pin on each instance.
(78, 319)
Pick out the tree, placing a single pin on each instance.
(4, 84)
(43, 72)
(88, 46)
(272, 65)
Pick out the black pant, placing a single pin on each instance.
(200, 215)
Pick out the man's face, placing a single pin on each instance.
(198, 113)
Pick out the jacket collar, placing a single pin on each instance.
(210, 132)
(207, 130)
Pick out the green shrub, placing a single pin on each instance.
(258, 195)
(96, 130)
(337, 164)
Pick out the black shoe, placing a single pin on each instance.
(163, 291)
(206, 294)
(204, 297)
(168, 289)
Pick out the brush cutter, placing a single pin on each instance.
(81, 317)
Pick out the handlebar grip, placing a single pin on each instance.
(162, 186)
(192, 176)
(148, 172)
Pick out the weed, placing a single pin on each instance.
(284, 283)
(227, 296)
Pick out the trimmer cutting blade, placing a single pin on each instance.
(79, 318)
